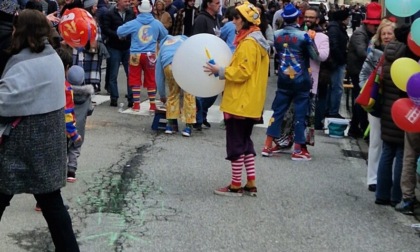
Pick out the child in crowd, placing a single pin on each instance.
(82, 97)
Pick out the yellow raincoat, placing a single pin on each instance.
(246, 80)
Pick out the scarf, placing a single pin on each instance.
(243, 33)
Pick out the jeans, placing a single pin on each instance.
(113, 63)
(335, 90)
(57, 217)
(203, 105)
(280, 106)
(388, 180)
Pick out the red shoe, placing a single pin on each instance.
(303, 155)
(153, 107)
(267, 152)
(277, 149)
(227, 191)
(136, 106)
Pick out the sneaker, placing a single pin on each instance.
(71, 176)
(372, 187)
(206, 125)
(406, 206)
(303, 155)
(136, 106)
(130, 104)
(114, 103)
(227, 191)
(250, 191)
(266, 152)
(197, 127)
(277, 149)
(169, 129)
(385, 202)
(186, 132)
(152, 107)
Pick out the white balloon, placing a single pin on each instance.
(189, 59)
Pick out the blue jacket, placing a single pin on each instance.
(145, 32)
(228, 34)
(294, 47)
(168, 47)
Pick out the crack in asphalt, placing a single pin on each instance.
(115, 209)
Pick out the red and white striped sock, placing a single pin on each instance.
(250, 166)
(237, 171)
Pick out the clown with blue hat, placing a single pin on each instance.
(294, 48)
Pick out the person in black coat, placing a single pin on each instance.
(338, 50)
(118, 48)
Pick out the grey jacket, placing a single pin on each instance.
(82, 97)
(369, 65)
(33, 156)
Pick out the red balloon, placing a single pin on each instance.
(406, 115)
(412, 45)
(77, 27)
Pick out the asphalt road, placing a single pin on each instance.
(140, 190)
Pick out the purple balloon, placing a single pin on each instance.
(413, 88)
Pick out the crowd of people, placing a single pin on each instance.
(312, 54)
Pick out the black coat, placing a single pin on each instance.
(357, 51)
(111, 21)
(338, 37)
(390, 93)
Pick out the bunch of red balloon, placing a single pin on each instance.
(406, 111)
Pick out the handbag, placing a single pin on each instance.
(372, 90)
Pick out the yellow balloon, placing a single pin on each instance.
(401, 70)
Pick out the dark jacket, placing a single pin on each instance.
(184, 21)
(390, 93)
(6, 29)
(111, 21)
(357, 51)
(338, 37)
(206, 23)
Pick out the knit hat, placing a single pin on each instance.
(340, 15)
(89, 3)
(290, 12)
(373, 14)
(76, 75)
(145, 6)
(249, 12)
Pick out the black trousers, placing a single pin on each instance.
(238, 137)
(57, 217)
(359, 118)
